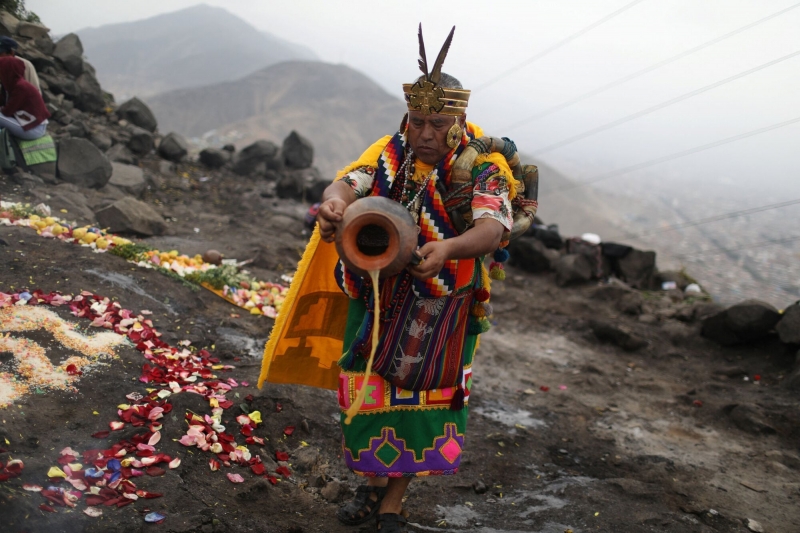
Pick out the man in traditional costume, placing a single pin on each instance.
(413, 420)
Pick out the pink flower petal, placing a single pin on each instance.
(235, 478)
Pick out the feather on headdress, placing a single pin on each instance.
(426, 95)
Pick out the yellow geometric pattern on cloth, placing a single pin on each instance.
(308, 336)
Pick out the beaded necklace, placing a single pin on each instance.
(406, 191)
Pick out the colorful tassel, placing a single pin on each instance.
(482, 294)
(501, 255)
(488, 310)
(457, 403)
(496, 271)
(478, 325)
(478, 310)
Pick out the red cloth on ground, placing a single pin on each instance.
(23, 100)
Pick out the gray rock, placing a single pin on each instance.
(792, 381)
(77, 129)
(617, 334)
(229, 148)
(45, 45)
(128, 178)
(298, 152)
(136, 112)
(102, 198)
(789, 326)
(141, 141)
(82, 163)
(335, 491)
(40, 61)
(26, 180)
(69, 197)
(129, 215)
(101, 140)
(69, 51)
(254, 156)
(750, 419)
(32, 30)
(315, 191)
(293, 184)
(305, 459)
(121, 154)
(531, 255)
(612, 291)
(743, 322)
(572, 268)
(173, 147)
(214, 158)
(59, 84)
(90, 98)
(638, 269)
(698, 311)
(8, 24)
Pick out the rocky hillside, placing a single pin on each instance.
(608, 395)
(196, 46)
(339, 109)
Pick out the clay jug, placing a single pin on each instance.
(376, 233)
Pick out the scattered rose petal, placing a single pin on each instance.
(288, 430)
(45, 507)
(101, 434)
(32, 488)
(544, 388)
(281, 456)
(94, 512)
(235, 478)
(155, 438)
(282, 470)
(116, 426)
(56, 472)
(698, 403)
(175, 463)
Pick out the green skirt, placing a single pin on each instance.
(401, 433)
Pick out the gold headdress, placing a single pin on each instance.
(425, 95)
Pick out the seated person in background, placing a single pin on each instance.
(23, 112)
(8, 48)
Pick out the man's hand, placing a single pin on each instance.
(433, 255)
(329, 216)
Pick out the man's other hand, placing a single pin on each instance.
(433, 255)
(329, 216)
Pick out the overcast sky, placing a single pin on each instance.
(379, 38)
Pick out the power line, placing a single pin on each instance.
(644, 71)
(662, 105)
(677, 155)
(715, 218)
(557, 45)
(717, 251)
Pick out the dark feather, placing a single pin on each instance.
(437, 66)
(423, 60)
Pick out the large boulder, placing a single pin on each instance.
(294, 184)
(572, 268)
(121, 154)
(141, 141)
(251, 157)
(90, 98)
(8, 24)
(136, 112)
(743, 322)
(129, 215)
(214, 158)
(638, 268)
(67, 198)
(32, 30)
(61, 84)
(128, 178)
(173, 147)
(82, 163)
(532, 255)
(69, 51)
(298, 152)
(617, 334)
(789, 326)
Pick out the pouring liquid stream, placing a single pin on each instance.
(362, 393)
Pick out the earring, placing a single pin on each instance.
(454, 135)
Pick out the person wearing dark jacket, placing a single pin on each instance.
(23, 112)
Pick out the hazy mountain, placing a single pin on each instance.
(339, 109)
(196, 46)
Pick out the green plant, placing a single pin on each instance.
(130, 252)
(219, 277)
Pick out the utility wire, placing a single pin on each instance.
(662, 105)
(715, 218)
(717, 251)
(629, 77)
(557, 45)
(677, 155)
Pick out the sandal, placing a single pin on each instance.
(363, 507)
(392, 523)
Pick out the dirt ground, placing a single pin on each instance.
(566, 433)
